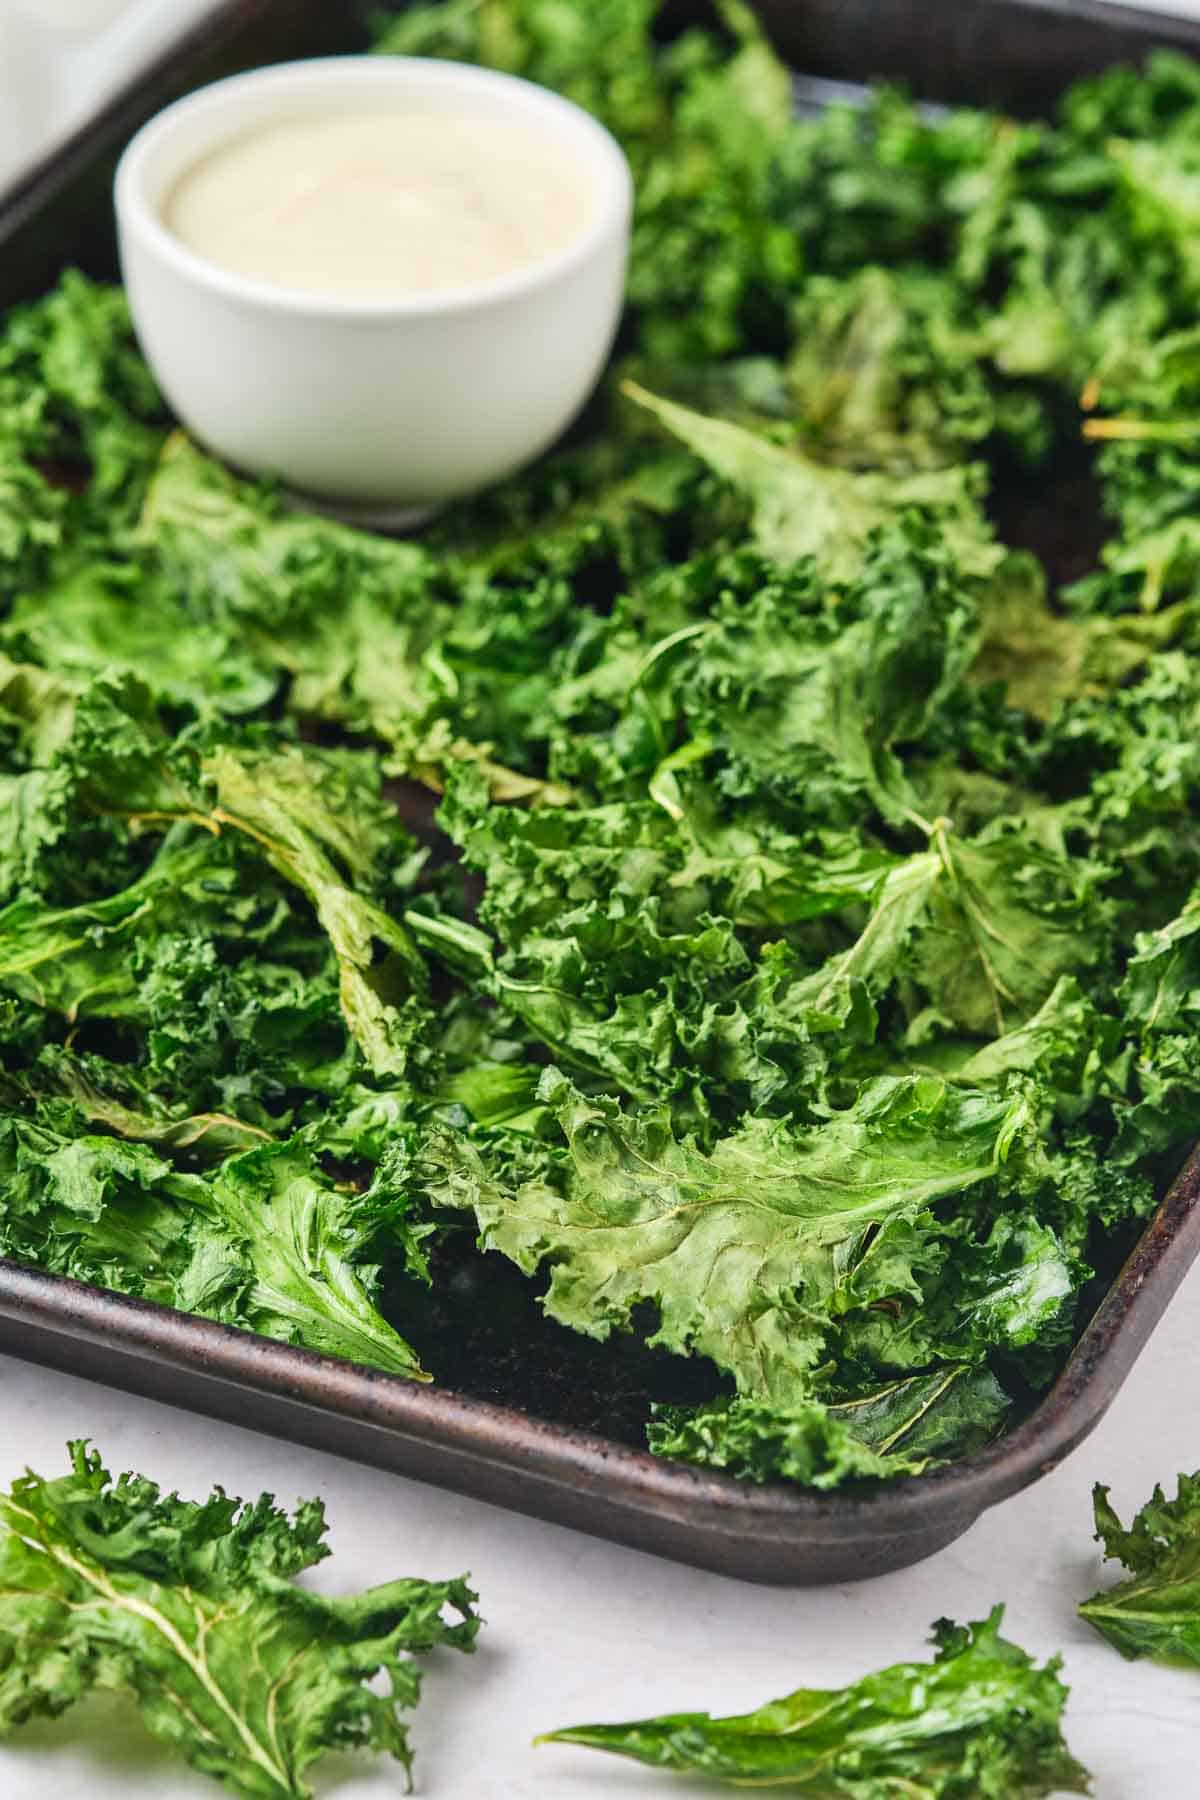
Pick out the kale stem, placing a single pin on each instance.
(1170, 431)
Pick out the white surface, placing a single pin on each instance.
(579, 1630)
(383, 403)
(60, 60)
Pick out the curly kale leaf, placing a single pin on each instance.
(305, 831)
(192, 1610)
(635, 950)
(1006, 921)
(885, 372)
(315, 817)
(267, 1241)
(1160, 997)
(745, 1252)
(31, 518)
(122, 617)
(986, 928)
(231, 996)
(899, 1428)
(83, 403)
(980, 1719)
(812, 719)
(232, 546)
(358, 631)
(1155, 1611)
(805, 508)
(609, 951)
(699, 117)
(1144, 420)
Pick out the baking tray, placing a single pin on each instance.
(1018, 54)
(498, 1453)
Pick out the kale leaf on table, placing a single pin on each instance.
(980, 1719)
(192, 1610)
(1155, 1610)
(785, 955)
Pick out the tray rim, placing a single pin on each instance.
(1103, 1355)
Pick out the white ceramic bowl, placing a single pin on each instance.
(379, 408)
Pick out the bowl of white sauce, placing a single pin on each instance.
(384, 280)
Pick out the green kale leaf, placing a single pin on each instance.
(1155, 1611)
(267, 1241)
(192, 1610)
(900, 1428)
(805, 508)
(980, 1719)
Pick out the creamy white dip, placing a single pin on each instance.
(383, 205)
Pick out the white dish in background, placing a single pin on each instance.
(383, 409)
(61, 61)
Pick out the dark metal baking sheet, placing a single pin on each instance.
(780, 1535)
(1019, 54)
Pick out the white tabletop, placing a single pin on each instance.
(579, 1630)
(60, 60)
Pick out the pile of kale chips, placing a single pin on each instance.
(813, 991)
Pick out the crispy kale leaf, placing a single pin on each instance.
(99, 753)
(267, 1241)
(1155, 1611)
(804, 508)
(78, 401)
(900, 1428)
(746, 1251)
(192, 1609)
(307, 821)
(980, 1719)
(700, 119)
(839, 852)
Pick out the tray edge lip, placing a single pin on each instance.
(67, 157)
(459, 1424)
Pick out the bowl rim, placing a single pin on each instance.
(138, 216)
